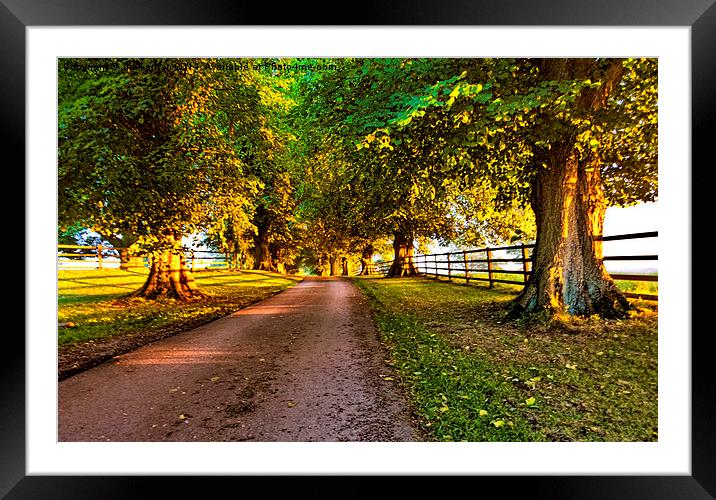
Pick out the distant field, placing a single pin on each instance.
(97, 301)
(472, 375)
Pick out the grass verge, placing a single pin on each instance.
(472, 376)
(110, 323)
(636, 287)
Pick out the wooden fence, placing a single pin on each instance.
(482, 265)
(107, 257)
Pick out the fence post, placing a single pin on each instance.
(99, 256)
(435, 258)
(525, 262)
(467, 271)
(489, 265)
(449, 270)
(192, 261)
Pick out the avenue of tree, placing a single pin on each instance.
(284, 169)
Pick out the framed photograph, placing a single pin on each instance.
(680, 35)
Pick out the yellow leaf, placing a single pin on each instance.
(483, 413)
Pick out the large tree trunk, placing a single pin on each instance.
(403, 265)
(366, 261)
(568, 275)
(169, 277)
(262, 255)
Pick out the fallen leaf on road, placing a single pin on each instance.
(214, 379)
(291, 404)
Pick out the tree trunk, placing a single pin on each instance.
(235, 260)
(568, 275)
(277, 263)
(169, 276)
(403, 264)
(262, 255)
(366, 261)
(322, 267)
(333, 265)
(345, 268)
(128, 260)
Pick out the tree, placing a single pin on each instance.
(398, 185)
(153, 148)
(479, 222)
(569, 136)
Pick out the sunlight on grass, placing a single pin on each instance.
(474, 376)
(98, 303)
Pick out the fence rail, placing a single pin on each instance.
(457, 264)
(107, 257)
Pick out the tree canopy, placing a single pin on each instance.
(287, 166)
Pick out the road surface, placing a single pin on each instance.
(304, 365)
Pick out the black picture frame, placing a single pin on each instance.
(699, 15)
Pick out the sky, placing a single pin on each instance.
(635, 219)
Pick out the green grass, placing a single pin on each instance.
(474, 376)
(97, 302)
(645, 287)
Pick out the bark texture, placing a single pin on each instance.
(235, 260)
(333, 265)
(366, 261)
(345, 267)
(403, 265)
(277, 260)
(169, 277)
(322, 268)
(262, 253)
